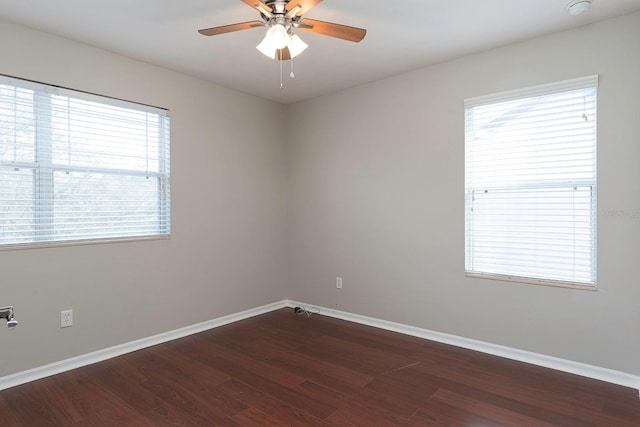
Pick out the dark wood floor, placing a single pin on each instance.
(285, 369)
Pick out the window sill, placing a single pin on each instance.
(19, 246)
(541, 282)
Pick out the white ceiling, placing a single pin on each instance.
(402, 35)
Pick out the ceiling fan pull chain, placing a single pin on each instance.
(291, 74)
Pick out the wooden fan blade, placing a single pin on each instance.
(344, 32)
(230, 28)
(283, 54)
(255, 4)
(305, 5)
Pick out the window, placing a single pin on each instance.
(530, 184)
(80, 167)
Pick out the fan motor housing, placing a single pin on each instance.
(278, 6)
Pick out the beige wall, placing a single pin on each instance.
(227, 252)
(377, 197)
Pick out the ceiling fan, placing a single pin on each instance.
(281, 17)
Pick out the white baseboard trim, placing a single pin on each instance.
(595, 372)
(590, 371)
(118, 350)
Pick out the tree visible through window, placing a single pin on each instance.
(530, 184)
(75, 166)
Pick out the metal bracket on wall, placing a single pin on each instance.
(7, 313)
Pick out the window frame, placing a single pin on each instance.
(44, 168)
(589, 82)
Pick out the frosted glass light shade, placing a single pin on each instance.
(272, 42)
(296, 46)
(279, 36)
(276, 38)
(266, 47)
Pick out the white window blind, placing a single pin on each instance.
(530, 184)
(76, 166)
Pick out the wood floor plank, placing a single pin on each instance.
(381, 401)
(485, 410)
(329, 396)
(284, 369)
(43, 397)
(435, 413)
(311, 366)
(352, 355)
(595, 392)
(21, 406)
(416, 394)
(256, 381)
(116, 379)
(413, 348)
(257, 364)
(555, 407)
(201, 409)
(362, 415)
(95, 403)
(255, 417)
(623, 411)
(362, 407)
(201, 375)
(8, 414)
(153, 364)
(199, 347)
(466, 385)
(167, 415)
(287, 414)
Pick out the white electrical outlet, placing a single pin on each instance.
(338, 282)
(66, 318)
